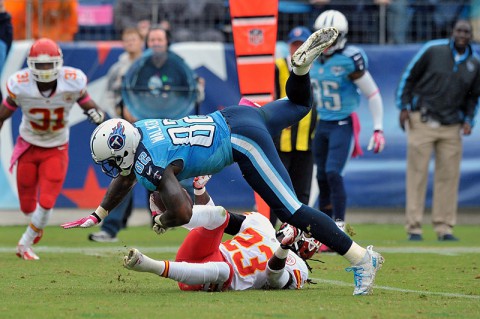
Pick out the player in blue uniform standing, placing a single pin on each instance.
(159, 152)
(337, 76)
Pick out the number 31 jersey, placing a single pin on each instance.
(45, 119)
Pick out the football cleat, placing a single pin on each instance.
(26, 253)
(39, 236)
(133, 260)
(314, 46)
(102, 237)
(364, 272)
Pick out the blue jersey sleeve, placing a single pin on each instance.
(148, 174)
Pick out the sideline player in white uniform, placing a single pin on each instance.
(252, 259)
(45, 92)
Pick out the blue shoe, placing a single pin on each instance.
(364, 273)
(447, 237)
(415, 237)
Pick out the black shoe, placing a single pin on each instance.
(415, 237)
(447, 237)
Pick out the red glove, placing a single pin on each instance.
(377, 142)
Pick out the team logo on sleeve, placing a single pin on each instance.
(68, 97)
(116, 140)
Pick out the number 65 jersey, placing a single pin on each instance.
(249, 251)
(45, 119)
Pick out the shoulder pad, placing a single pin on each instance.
(73, 79)
(19, 82)
(358, 57)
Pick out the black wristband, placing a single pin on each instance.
(96, 216)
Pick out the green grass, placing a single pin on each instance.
(76, 278)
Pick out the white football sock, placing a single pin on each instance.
(355, 254)
(301, 70)
(209, 217)
(195, 274)
(41, 216)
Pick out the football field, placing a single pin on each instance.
(76, 278)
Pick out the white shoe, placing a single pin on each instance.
(133, 260)
(25, 252)
(102, 237)
(314, 46)
(364, 273)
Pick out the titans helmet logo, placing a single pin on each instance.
(116, 140)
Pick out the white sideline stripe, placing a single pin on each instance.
(421, 292)
(105, 250)
(451, 251)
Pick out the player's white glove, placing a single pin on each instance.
(377, 142)
(94, 115)
(84, 222)
(291, 235)
(157, 226)
(199, 182)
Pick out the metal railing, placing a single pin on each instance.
(400, 21)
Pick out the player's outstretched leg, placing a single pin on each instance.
(315, 44)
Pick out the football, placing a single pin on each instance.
(156, 203)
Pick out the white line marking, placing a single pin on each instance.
(445, 294)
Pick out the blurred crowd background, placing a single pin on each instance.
(371, 21)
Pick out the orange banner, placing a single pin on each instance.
(254, 25)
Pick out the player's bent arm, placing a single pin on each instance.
(277, 276)
(91, 109)
(117, 190)
(5, 112)
(178, 205)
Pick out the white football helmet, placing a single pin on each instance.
(333, 18)
(45, 60)
(113, 145)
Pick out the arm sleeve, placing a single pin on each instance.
(369, 88)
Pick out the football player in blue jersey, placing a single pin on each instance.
(160, 152)
(337, 76)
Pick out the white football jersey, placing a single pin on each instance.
(45, 119)
(249, 251)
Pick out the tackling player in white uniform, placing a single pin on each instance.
(252, 259)
(45, 92)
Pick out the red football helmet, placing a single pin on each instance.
(45, 60)
(307, 247)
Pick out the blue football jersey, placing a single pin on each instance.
(335, 95)
(201, 142)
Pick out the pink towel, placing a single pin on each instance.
(247, 102)
(357, 148)
(21, 146)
